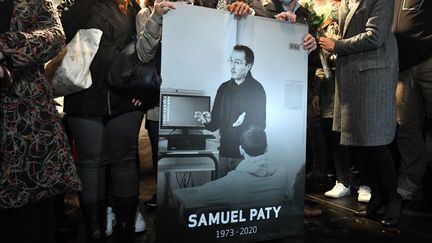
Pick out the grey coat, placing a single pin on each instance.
(366, 74)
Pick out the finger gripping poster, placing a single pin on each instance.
(232, 125)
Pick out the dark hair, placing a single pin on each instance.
(254, 141)
(149, 3)
(249, 55)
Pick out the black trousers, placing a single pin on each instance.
(153, 133)
(377, 167)
(107, 141)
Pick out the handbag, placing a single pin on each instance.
(71, 73)
(131, 77)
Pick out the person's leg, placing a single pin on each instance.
(411, 94)
(320, 150)
(341, 161)
(381, 161)
(364, 180)
(341, 157)
(90, 139)
(153, 133)
(110, 215)
(368, 174)
(122, 144)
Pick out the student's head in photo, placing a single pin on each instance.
(253, 142)
(241, 61)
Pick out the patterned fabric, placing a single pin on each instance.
(222, 4)
(35, 159)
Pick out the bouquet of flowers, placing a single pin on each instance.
(318, 15)
(315, 20)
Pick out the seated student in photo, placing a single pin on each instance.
(255, 181)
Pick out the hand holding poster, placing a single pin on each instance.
(232, 128)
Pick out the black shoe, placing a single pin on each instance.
(364, 213)
(392, 211)
(94, 215)
(96, 235)
(152, 202)
(64, 225)
(389, 222)
(124, 232)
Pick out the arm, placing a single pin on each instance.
(149, 29)
(213, 125)
(38, 45)
(376, 30)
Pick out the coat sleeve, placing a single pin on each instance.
(377, 28)
(149, 29)
(38, 45)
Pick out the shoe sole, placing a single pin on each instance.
(335, 197)
(363, 200)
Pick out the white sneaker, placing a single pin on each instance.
(111, 221)
(364, 194)
(339, 190)
(139, 222)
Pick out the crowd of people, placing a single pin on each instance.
(369, 74)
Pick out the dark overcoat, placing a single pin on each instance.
(366, 74)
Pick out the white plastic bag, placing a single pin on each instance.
(73, 73)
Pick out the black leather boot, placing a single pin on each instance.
(125, 209)
(393, 209)
(94, 215)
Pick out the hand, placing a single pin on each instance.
(240, 120)
(161, 7)
(239, 9)
(136, 102)
(204, 117)
(287, 16)
(327, 43)
(309, 43)
(315, 103)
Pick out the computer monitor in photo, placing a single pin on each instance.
(178, 111)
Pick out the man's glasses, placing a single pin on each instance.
(235, 62)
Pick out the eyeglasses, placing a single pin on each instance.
(235, 62)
